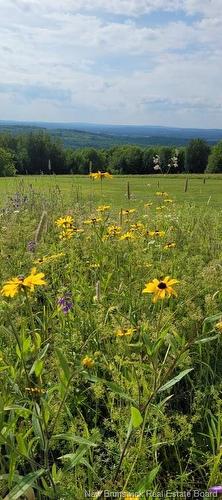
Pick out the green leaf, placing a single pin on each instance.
(175, 380)
(63, 364)
(136, 417)
(147, 482)
(37, 367)
(74, 458)
(207, 339)
(75, 439)
(24, 484)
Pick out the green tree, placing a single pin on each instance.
(197, 154)
(215, 159)
(126, 160)
(7, 166)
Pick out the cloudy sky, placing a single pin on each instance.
(112, 61)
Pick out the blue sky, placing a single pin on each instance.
(112, 61)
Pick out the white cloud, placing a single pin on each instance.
(65, 60)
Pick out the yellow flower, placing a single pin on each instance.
(169, 245)
(49, 258)
(157, 233)
(147, 205)
(34, 279)
(127, 236)
(112, 231)
(218, 326)
(100, 175)
(137, 226)
(128, 211)
(67, 234)
(161, 193)
(161, 288)
(20, 283)
(103, 208)
(87, 362)
(66, 221)
(93, 220)
(125, 332)
(168, 200)
(161, 207)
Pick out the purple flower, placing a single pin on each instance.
(31, 246)
(65, 302)
(216, 489)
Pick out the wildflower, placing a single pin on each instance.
(218, 326)
(161, 193)
(87, 362)
(168, 200)
(103, 208)
(161, 288)
(65, 303)
(20, 283)
(137, 226)
(216, 490)
(49, 258)
(31, 246)
(35, 391)
(157, 233)
(66, 221)
(93, 220)
(113, 231)
(67, 234)
(125, 332)
(169, 245)
(128, 211)
(147, 205)
(100, 175)
(160, 208)
(127, 236)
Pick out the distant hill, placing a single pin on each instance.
(77, 135)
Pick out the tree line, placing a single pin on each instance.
(39, 153)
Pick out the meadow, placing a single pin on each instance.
(110, 345)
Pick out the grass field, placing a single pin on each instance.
(110, 337)
(201, 189)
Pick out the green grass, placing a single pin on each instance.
(142, 188)
(145, 414)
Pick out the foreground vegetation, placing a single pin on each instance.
(111, 320)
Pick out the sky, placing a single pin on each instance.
(153, 62)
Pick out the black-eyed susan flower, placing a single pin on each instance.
(161, 193)
(49, 258)
(103, 208)
(100, 175)
(168, 200)
(22, 283)
(113, 231)
(138, 226)
(125, 332)
(66, 221)
(93, 220)
(128, 236)
(169, 245)
(161, 289)
(88, 362)
(67, 234)
(128, 211)
(147, 205)
(157, 233)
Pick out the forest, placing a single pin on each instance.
(37, 152)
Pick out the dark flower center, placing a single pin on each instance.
(162, 285)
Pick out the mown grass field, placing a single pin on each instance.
(201, 189)
(110, 337)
